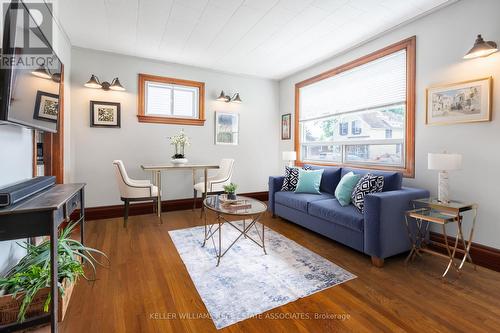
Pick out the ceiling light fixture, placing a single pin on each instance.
(481, 48)
(226, 98)
(94, 83)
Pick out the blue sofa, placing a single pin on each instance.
(379, 231)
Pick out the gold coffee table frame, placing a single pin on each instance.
(433, 211)
(255, 212)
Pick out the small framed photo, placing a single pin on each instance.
(226, 128)
(46, 106)
(286, 128)
(463, 102)
(104, 114)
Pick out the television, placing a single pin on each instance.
(30, 73)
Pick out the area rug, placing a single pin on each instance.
(247, 282)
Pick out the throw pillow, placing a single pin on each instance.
(366, 185)
(345, 188)
(291, 178)
(309, 181)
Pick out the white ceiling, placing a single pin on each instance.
(266, 38)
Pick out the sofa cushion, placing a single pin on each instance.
(392, 179)
(330, 178)
(299, 201)
(291, 178)
(332, 211)
(367, 184)
(309, 181)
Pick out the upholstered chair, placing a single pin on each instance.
(215, 184)
(132, 189)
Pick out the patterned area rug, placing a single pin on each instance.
(248, 282)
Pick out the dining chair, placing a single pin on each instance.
(215, 184)
(133, 189)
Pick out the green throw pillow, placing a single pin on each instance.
(345, 187)
(309, 181)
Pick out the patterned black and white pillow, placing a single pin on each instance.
(291, 178)
(366, 185)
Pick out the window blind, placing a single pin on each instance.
(158, 99)
(377, 83)
(171, 100)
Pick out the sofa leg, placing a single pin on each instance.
(377, 262)
(274, 216)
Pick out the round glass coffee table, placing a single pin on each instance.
(243, 208)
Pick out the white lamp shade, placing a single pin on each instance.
(289, 156)
(444, 162)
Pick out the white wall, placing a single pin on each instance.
(136, 143)
(443, 37)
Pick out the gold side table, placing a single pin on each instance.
(430, 210)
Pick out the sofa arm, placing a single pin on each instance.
(385, 232)
(275, 184)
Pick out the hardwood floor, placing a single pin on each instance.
(147, 289)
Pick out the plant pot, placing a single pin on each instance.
(9, 306)
(231, 196)
(179, 161)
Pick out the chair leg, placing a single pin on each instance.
(125, 215)
(203, 195)
(195, 196)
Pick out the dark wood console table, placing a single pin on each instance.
(41, 215)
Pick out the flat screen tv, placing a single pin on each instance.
(30, 77)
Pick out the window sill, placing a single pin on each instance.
(407, 172)
(174, 121)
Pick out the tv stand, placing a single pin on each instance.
(41, 215)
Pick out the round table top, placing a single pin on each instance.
(252, 206)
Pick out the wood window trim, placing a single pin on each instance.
(144, 118)
(409, 45)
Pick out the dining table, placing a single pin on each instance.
(157, 169)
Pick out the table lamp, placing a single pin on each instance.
(444, 162)
(290, 157)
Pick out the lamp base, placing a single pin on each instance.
(444, 187)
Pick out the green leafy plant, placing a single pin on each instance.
(231, 188)
(32, 273)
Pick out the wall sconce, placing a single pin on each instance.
(481, 48)
(44, 73)
(94, 83)
(226, 98)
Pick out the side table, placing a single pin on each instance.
(430, 210)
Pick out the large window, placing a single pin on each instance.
(361, 113)
(170, 101)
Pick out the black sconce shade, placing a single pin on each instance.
(93, 82)
(481, 48)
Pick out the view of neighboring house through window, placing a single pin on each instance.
(357, 116)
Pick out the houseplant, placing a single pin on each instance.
(230, 191)
(179, 141)
(32, 273)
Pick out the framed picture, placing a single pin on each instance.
(226, 128)
(462, 102)
(286, 128)
(104, 114)
(46, 106)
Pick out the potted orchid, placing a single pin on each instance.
(179, 141)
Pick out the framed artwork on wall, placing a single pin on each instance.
(286, 127)
(226, 128)
(104, 114)
(46, 106)
(462, 102)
